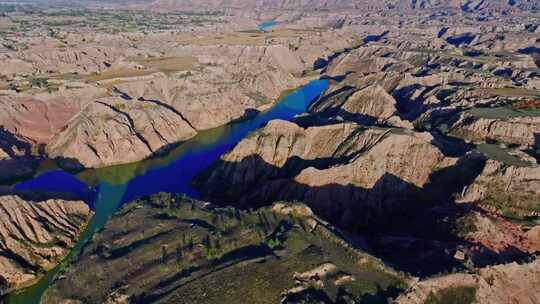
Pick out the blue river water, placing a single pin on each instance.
(106, 189)
(267, 25)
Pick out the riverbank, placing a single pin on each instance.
(120, 184)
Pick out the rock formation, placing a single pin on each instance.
(113, 131)
(511, 283)
(337, 169)
(509, 190)
(423, 150)
(467, 6)
(519, 131)
(35, 236)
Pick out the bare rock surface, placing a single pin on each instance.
(510, 283)
(35, 236)
(167, 98)
(373, 101)
(371, 105)
(520, 131)
(284, 146)
(113, 131)
(498, 234)
(4, 155)
(393, 154)
(335, 169)
(424, 148)
(387, 66)
(533, 235)
(506, 189)
(36, 120)
(340, 4)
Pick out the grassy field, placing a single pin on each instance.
(495, 151)
(453, 295)
(447, 54)
(511, 92)
(117, 73)
(168, 64)
(506, 112)
(255, 38)
(151, 65)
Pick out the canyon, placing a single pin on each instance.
(344, 152)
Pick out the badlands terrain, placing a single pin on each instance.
(270, 151)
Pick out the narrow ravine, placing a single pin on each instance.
(108, 188)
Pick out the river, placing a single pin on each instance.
(267, 25)
(106, 189)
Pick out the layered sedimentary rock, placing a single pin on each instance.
(48, 54)
(284, 149)
(520, 131)
(113, 131)
(510, 190)
(371, 105)
(373, 102)
(36, 120)
(386, 152)
(511, 283)
(228, 81)
(466, 6)
(497, 233)
(161, 100)
(212, 75)
(533, 235)
(336, 169)
(35, 236)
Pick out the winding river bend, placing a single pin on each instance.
(108, 188)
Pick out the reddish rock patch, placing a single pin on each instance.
(528, 105)
(38, 121)
(499, 234)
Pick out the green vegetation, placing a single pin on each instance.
(169, 248)
(449, 55)
(505, 112)
(512, 92)
(8, 8)
(516, 204)
(310, 73)
(39, 82)
(274, 243)
(465, 225)
(453, 295)
(497, 152)
(29, 19)
(243, 37)
(258, 98)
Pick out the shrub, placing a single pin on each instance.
(453, 295)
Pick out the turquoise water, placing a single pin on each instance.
(265, 26)
(108, 188)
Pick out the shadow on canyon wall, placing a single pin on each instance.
(20, 164)
(411, 228)
(25, 160)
